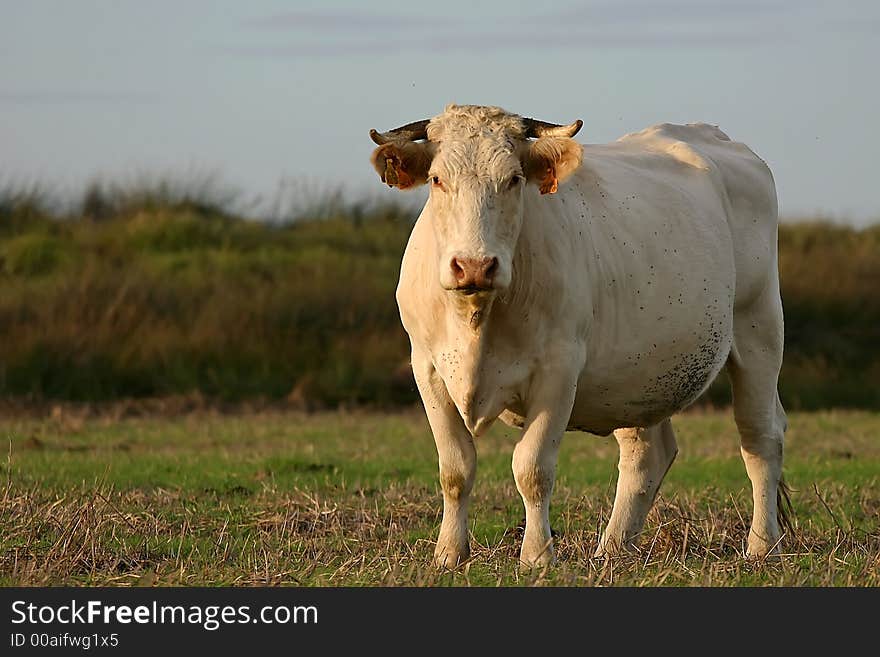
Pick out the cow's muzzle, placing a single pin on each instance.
(473, 275)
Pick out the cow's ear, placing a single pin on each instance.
(403, 164)
(550, 160)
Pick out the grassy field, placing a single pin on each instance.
(111, 498)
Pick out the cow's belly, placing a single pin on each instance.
(639, 393)
(656, 371)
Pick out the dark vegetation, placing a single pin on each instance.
(151, 291)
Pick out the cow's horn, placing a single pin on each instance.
(535, 129)
(409, 132)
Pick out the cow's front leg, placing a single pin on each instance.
(534, 462)
(458, 463)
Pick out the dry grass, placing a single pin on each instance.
(98, 536)
(326, 520)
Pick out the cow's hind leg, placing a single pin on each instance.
(458, 463)
(645, 457)
(753, 366)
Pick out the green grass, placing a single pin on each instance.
(98, 498)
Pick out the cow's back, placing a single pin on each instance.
(745, 187)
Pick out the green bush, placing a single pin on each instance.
(141, 295)
(31, 254)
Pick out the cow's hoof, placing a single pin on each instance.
(448, 558)
(606, 549)
(760, 548)
(537, 559)
(535, 565)
(609, 547)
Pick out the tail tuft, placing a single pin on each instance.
(785, 510)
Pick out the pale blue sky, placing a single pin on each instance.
(263, 92)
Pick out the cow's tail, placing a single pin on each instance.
(785, 510)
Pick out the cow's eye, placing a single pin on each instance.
(514, 181)
(435, 180)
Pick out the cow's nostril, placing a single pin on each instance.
(457, 269)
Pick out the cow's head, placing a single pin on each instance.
(477, 161)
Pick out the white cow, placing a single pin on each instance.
(599, 288)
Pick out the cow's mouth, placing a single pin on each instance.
(468, 290)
